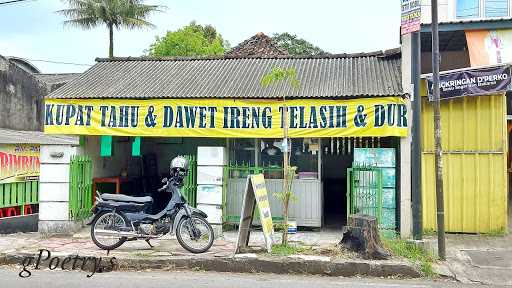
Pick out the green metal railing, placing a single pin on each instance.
(189, 189)
(19, 194)
(80, 187)
(364, 191)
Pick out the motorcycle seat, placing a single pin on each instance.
(125, 198)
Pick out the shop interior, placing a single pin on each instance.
(337, 157)
(139, 167)
(135, 166)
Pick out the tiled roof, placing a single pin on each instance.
(327, 76)
(258, 45)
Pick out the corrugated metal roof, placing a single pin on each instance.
(471, 20)
(8, 136)
(356, 75)
(56, 78)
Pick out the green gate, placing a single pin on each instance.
(364, 191)
(19, 194)
(80, 187)
(189, 189)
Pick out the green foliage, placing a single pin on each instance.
(118, 14)
(429, 232)
(191, 40)
(295, 45)
(288, 194)
(497, 233)
(412, 252)
(286, 250)
(279, 74)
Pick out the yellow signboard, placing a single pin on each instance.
(260, 191)
(227, 118)
(255, 193)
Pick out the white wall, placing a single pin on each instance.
(54, 188)
(446, 10)
(108, 166)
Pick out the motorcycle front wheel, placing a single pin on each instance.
(103, 224)
(195, 234)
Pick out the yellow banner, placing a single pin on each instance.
(386, 116)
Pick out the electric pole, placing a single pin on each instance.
(437, 134)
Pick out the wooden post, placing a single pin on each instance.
(285, 173)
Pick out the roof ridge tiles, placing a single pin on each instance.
(380, 53)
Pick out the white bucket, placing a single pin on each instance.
(292, 227)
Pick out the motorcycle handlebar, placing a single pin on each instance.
(163, 188)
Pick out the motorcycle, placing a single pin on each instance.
(120, 218)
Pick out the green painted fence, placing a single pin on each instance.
(19, 194)
(80, 187)
(189, 189)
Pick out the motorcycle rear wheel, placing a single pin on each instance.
(108, 218)
(194, 230)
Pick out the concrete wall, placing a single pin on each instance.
(21, 98)
(54, 189)
(19, 224)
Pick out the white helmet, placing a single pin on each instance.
(179, 163)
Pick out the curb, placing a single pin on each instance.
(275, 265)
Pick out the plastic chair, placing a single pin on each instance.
(27, 209)
(11, 211)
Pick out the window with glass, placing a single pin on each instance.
(242, 152)
(271, 158)
(468, 9)
(496, 8)
(303, 155)
(475, 8)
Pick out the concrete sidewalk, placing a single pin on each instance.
(168, 254)
(477, 258)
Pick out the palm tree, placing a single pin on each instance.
(111, 13)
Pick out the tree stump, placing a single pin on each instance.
(362, 235)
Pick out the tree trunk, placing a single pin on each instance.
(285, 174)
(111, 41)
(362, 234)
(285, 220)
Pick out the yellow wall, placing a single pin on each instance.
(474, 162)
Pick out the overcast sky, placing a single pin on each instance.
(33, 30)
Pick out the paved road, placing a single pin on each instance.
(54, 279)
